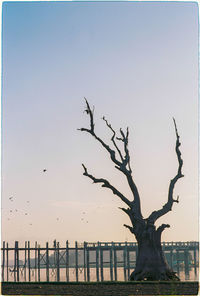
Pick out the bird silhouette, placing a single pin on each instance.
(44, 170)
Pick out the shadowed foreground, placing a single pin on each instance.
(101, 289)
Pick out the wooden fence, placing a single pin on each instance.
(87, 261)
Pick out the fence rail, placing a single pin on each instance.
(87, 261)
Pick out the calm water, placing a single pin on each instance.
(72, 274)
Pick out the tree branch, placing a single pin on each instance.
(107, 185)
(128, 172)
(124, 139)
(159, 232)
(91, 131)
(127, 211)
(168, 206)
(162, 227)
(136, 220)
(131, 214)
(120, 165)
(130, 228)
(113, 138)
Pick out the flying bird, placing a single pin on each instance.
(44, 170)
(11, 198)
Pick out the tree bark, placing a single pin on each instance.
(151, 263)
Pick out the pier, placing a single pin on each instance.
(87, 261)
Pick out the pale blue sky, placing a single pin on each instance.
(137, 62)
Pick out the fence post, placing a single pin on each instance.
(35, 261)
(88, 263)
(115, 263)
(76, 260)
(7, 261)
(195, 262)
(17, 259)
(17, 249)
(177, 260)
(25, 261)
(58, 261)
(111, 262)
(29, 263)
(47, 261)
(67, 261)
(124, 257)
(84, 260)
(54, 254)
(128, 262)
(38, 262)
(101, 263)
(14, 269)
(97, 262)
(171, 257)
(186, 261)
(3, 261)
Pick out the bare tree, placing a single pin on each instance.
(150, 263)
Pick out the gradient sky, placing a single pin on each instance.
(137, 63)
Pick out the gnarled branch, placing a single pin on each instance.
(91, 131)
(130, 212)
(106, 184)
(113, 138)
(130, 228)
(159, 232)
(168, 206)
(124, 139)
(162, 227)
(120, 164)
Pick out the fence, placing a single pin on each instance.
(87, 261)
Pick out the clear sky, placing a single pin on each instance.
(137, 63)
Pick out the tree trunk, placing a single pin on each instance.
(151, 264)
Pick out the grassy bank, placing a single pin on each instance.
(100, 288)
